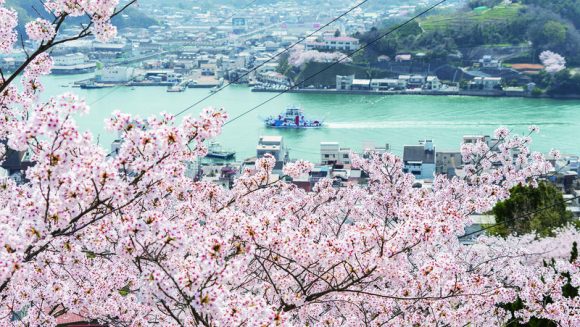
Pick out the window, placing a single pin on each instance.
(327, 156)
(345, 156)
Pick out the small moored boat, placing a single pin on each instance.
(215, 151)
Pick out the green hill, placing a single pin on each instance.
(28, 10)
(497, 14)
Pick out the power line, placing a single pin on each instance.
(115, 89)
(275, 56)
(520, 217)
(339, 61)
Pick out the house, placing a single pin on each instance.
(272, 77)
(273, 145)
(485, 83)
(488, 62)
(15, 162)
(416, 81)
(447, 161)
(332, 154)
(419, 160)
(403, 57)
(432, 83)
(344, 82)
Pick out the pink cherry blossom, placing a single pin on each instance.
(300, 57)
(552, 61)
(8, 22)
(128, 238)
(40, 30)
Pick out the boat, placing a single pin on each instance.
(215, 151)
(176, 88)
(293, 117)
(93, 85)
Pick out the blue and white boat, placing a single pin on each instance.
(293, 117)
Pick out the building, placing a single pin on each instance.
(332, 154)
(73, 63)
(115, 74)
(272, 77)
(403, 57)
(446, 162)
(432, 83)
(387, 84)
(419, 160)
(340, 43)
(476, 228)
(416, 81)
(485, 83)
(489, 62)
(344, 82)
(273, 145)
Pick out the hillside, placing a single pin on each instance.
(28, 10)
(533, 24)
(494, 15)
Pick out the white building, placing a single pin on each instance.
(332, 154)
(419, 160)
(340, 43)
(273, 77)
(273, 145)
(432, 83)
(386, 84)
(73, 63)
(115, 74)
(485, 83)
(344, 82)
(489, 62)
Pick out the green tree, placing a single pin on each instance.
(564, 82)
(520, 213)
(554, 32)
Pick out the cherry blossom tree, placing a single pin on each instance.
(299, 57)
(552, 61)
(128, 240)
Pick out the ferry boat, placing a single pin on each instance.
(215, 151)
(293, 117)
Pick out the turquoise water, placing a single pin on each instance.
(352, 120)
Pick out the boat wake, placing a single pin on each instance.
(430, 124)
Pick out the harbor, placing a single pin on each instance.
(352, 120)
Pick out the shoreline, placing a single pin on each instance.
(493, 94)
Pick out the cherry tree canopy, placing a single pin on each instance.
(129, 240)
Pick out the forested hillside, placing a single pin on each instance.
(28, 9)
(541, 24)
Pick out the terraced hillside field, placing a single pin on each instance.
(493, 15)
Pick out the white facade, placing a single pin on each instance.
(115, 74)
(273, 145)
(486, 83)
(386, 84)
(419, 160)
(70, 59)
(433, 83)
(341, 43)
(331, 153)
